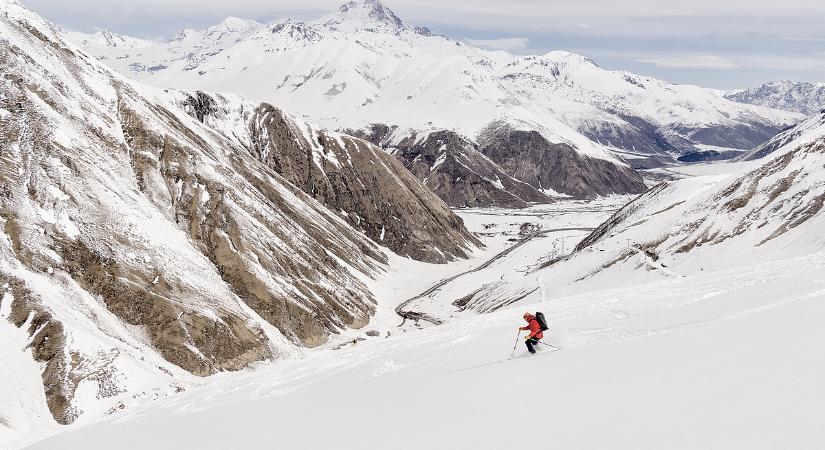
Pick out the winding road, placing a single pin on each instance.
(416, 316)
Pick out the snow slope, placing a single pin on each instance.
(727, 359)
(814, 125)
(364, 65)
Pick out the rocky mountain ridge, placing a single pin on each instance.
(802, 97)
(149, 236)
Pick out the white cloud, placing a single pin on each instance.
(784, 62)
(517, 43)
(689, 61)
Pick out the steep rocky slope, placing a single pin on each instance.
(802, 97)
(505, 167)
(453, 168)
(528, 156)
(366, 186)
(139, 244)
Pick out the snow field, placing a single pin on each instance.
(736, 366)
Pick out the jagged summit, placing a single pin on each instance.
(803, 97)
(108, 38)
(183, 35)
(364, 13)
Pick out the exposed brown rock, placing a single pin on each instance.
(531, 158)
(47, 346)
(377, 194)
(457, 172)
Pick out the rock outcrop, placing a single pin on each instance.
(452, 167)
(374, 193)
(530, 157)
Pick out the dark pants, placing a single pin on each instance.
(531, 344)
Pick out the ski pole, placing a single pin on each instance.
(549, 345)
(516, 344)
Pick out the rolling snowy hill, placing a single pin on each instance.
(802, 97)
(148, 235)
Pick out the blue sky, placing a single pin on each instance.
(723, 44)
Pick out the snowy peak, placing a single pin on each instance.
(568, 58)
(107, 38)
(230, 29)
(183, 35)
(363, 14)
(802, 97)
(359, 65)
(233, 25)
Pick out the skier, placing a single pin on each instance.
(534, 328)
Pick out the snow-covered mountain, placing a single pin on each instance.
(372, 47)
(363, 64)
(108, 39)
(802, 97)
(148, 235)
(813, 125)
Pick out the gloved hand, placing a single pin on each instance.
(527, 338)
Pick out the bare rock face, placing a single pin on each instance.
(47, 345)
(506, 168)
(368, 188)
(456, 171)
(531, 158)
(376, 194)
(453, 168)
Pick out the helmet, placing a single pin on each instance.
(526, 315)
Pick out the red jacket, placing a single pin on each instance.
(534, 327)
